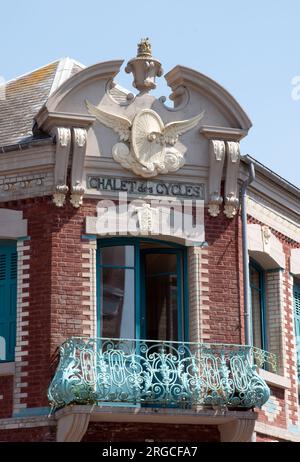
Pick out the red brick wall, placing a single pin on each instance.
(280, 420)
(22, 435)
(56, 283)
(292, 407)
(56, 287)
(223, 236)
(6, 390)
(131, 432)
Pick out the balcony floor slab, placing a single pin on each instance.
(74, 419)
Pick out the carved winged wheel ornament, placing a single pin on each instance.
(147, 146)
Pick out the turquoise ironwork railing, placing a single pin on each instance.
(178, 374)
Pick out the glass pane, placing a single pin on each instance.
(256, 307)
(160, 263)
(119, 255)
(256, 318)
(161, 297)
(254, 278)
(117, 303)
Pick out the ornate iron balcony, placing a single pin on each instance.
(142, 372)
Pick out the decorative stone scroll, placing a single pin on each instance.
(79, 150)
(217, 151)
(63, 145)
(237, 431)
(216, 163)
(233, 162)
(71, 427)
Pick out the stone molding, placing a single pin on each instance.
(222, 133)
(264, 247)
(73, 421)
(79, 151)
(295, 262)
(102, 71)
(216, 164)
(218, 149)
(20, 389)
(65, 137)
(63, 146)
(89, 269)
(190, 78)
(231, 182)
(12, 423)
(276, 432)
(7, 369)
(72, 427)
(12, 224)
(273, 218)
(239, 431)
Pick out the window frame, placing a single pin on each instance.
(296, 288)
(262, 301)
(9, 247)
(138, 273)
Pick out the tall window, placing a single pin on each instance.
(8, 299)
(297, 321)
(141, 290)
(257, 285)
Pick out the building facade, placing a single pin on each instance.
(128, 310)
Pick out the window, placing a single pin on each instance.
(297, 322)
(8, 299)
(141, 290)
(257, 286)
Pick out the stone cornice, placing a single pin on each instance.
(107, 166)
(47, 120)
(103, 71)
(271, 217)
(222, 133)
(72, 421)
(32, 160)
(273, 188)
(184, 76)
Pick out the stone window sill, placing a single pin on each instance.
(274, 379)
(7, 369)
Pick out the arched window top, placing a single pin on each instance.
(143, 241)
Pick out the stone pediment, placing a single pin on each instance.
(141, 134)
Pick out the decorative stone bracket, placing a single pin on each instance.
(216, 158)
(63, 145)
(72, 427)
(63, 149)
(218, 149)
(238, 431)
(233, 162)
(79, 150)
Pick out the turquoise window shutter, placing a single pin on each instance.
(297, 323)
(8, 300)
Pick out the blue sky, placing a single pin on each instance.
(251, 48)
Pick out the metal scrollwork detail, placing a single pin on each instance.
(165, 373)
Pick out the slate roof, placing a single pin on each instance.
(22, 98)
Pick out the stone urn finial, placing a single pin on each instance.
(144, 68)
